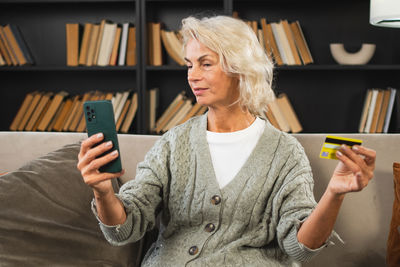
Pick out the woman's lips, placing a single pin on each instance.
(198, 91)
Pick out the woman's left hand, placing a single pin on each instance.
(354, 171)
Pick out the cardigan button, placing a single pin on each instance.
(216, 200)
(209, 227)
(193, 250)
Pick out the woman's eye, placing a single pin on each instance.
(189, 67)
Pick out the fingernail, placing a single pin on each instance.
(100, 135)
(109, 143)
(343, 147)
(355, 148)
(114, 153)
(339, 153)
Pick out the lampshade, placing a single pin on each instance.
(385, 13)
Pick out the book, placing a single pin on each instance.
(106, 44)
(271, 118)
(285, 42)
(76, 102)
(60, 121)
(31, 125)
(131, 47)
(52, 110)
(267, 44)
(114, 53)
(393, 96)
(171, 113)
(44, 111)
(22, 44)
(84, 47)
(8, 47)
(153, 105)
(2, 62)
(288, 112)
(384, 108)
(78, 116)
(120, 105)
(94, 35)
(72, 43)
(290, 38)
(21, 111)
(123, 44)
(364, 113)
(274, 46)
(176, 44)
(130, 115)
(301, 43)
(98, 41)
(280, 118)
(155, 44)
(55, 117)
(4, 52)
(371, 109)
(279, 43)
(179, 115)
(161, 121)
(377, 110)
(167, 43)
(123, 114)
(32, 106)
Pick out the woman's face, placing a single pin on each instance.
(210, 84)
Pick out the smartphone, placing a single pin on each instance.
(99, 117)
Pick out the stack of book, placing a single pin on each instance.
(284, 41)
(178, 111)
(377, 110)
(158, 39)
(102, 44)
(282, 115)
(13, 48)
(48, 111)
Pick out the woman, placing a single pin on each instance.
(231, 189)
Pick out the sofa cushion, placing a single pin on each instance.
(46, 220)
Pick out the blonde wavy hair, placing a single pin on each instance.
(240, 54)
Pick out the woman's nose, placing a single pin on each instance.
(194, 74)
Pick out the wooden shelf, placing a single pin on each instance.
(66, 68)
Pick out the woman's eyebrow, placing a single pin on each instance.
(199, 59)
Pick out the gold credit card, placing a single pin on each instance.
(333, 143)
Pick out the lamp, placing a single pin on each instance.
(385, 13)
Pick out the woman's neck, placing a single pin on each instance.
(228, 120)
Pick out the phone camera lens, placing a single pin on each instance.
(92, 110)
(89, 119)
(87, 107)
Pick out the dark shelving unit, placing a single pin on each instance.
(327, 97)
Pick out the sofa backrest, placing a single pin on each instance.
(364, 219)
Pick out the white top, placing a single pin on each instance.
(229, 151)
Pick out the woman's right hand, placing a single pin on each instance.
(89, 164)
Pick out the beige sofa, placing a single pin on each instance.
(363, 221)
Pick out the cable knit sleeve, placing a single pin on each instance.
(296, 201)
(142, 197)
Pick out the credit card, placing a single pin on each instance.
(333, 143)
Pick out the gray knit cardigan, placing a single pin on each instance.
(252, 221)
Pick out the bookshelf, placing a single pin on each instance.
(327, 97)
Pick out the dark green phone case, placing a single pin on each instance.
(99, 116)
